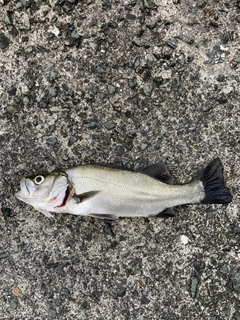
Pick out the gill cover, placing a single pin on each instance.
(44, 193)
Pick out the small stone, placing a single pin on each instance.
(85, 305)
(53, 75)
(28, 49)
(25, 101)
(236, 58)
(148, 88)
(236, 316)
(75, 35)
(172, 43)
(222, 238)
(193, 286)
(8, 18)
(224, 269)
(93, 45)
(151, 25)
(144, 300)
(158, 80)
(136, 63)
(13, 302)
(144, 146)
(12, 91)
(184, 239)
(51, 141)
(18, 5)
(91, 125)
(102, 95)
(72, 140)
(236, 230)
(4, 255)
(213, 24)
(206, 107)
(109, 125)
(100, 69)
(236, 285)
(222, 100)
(65, 292)
(108, 229)
(51, 128)
(130, 16)
(132, 83)
(137, 42)
(63, 96)
(17, 292)
(14, 31)
(52, 91)
(121, 292)
(4, 41)
(221, 78)
(111, 88)
(52, 313)
(7, 212)
(201, 3)
(42, 104)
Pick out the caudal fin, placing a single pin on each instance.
(212, 179)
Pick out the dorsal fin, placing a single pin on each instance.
(159, 171)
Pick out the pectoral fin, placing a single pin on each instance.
(80, 198)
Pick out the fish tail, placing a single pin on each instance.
(213, 182)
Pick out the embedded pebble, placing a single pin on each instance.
(109, 125)
(132, 83)
(51, 141)
(93, 45)
(52, 313)
(184, 239)
(148, 88)
(111, 88)
(42, 104)
(12, 91)
(13, 302)
(4, 41)
(193, 286)
(52, 91)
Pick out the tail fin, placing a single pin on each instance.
(212, 179)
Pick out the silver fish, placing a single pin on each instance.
(109, 193)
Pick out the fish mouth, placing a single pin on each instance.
(25, 189)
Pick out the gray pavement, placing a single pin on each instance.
(130, 83)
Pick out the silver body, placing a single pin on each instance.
(110, 193)
(122, 193)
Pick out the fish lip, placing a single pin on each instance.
(24, 191)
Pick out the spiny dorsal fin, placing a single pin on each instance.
(159, 171)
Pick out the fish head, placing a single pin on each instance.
(45, 192)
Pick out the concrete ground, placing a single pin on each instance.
(131, 83)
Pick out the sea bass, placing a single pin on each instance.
(109, 193)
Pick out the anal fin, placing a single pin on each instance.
(167, 213)
(103, 216)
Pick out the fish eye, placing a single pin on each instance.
(39, 179)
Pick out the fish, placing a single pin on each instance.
(110, 192)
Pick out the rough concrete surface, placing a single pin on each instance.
(132, 83)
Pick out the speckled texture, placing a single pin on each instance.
(131, 83)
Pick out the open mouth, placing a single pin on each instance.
(65, 199)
